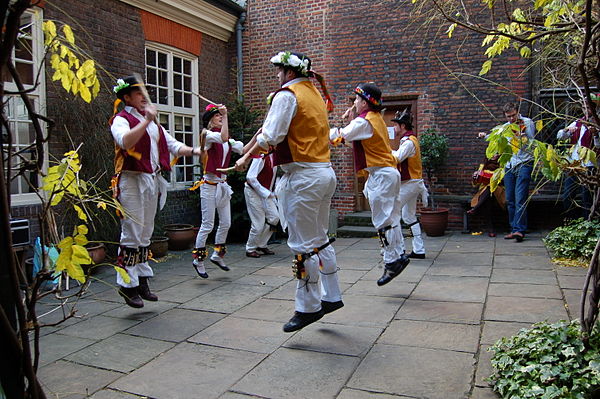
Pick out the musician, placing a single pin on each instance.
(579, 133)
(483, 200)
(261, 204)
(215, 193)
(517, 172)
(142, 149)
(373, 154)
(297, 128)
(411, 177)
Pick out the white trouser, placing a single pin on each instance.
(262, 211)
(305, 203)
(409, 193)
(214, 197)
(139, 196)
(382, 189)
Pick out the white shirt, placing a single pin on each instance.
(120, 127)
(406, 150)
(277, 124)
(358, 129)
(231, 144)
(256, 166)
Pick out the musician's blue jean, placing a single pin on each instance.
(516, 185)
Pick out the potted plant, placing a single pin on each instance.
(181, 236)
(434, 152)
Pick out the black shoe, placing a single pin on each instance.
(300, 320)
(413, 255)
(393, 269)
(329, 307)
(131, 296)
(144, 290)
(265, 251)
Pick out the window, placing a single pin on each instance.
(27, 55)
(171, 77)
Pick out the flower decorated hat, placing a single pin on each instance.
(210, 111)
(125, 86)
(403, 117)
(370, 93)
(303, 65)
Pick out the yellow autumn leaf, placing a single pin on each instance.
(57, 198)
(65, 243)
(57, 76)
(49, 27)
(96, 88)
(80, 255)
(75, 86)
(101, 205)
(80, 239)
(123, 274)
(85, 94)
(66, 82)
(69, 34)
(80, 213)
(82, 229)
(63, 51)
(485, 68)
(75, 271)
(539, 125)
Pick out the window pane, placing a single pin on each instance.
(23, 49)
(187, 83)
(22, 133)
(150, 57)
(187, 67)
(163, 78)
(177, 99)
(187, 100)
(151, 76)
(162, 60)
(177, 82)
(163, 96)
(176, 64)
(152, 93)
(25, 72)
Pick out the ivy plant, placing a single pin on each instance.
(547, 361)
(575, 240)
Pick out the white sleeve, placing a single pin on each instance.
(277, 123)
(119, 127)
(212, 137)
(173, 145)
(406, 150)
(564, 134)
(358, 129)
(237, 146)
(252, 177)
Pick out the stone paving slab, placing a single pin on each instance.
(571, 282)
(484, 367)
(188, 290)
(57, 346)
(523, 262)
(175, 325)
(290, 373)
(523, 276)
(147, 312)
(412, 274)
(269, 281)
(358, 394)
(513, 250)
(365, 311)
(481, 248)
(192, 369)
(395, 288)
(416, 372)
(66, 380)
(121, 352)
(494, 330)
(99, 327)
(572, 271)
(450, 288)
(246, 334)
(278, 310)
(525, 290)
(450, 312)
(113, 394)
(339, 339)
(463, 259)
(427, 334)
(461, 271)
(528, 310)
(227, 298)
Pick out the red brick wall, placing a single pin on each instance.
(352, 41)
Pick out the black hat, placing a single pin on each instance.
(403, 118)
(209, 112)
(295, 61)
(125, 86)
(370, 93)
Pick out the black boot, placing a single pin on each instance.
(393, 269)
(131, 296)
(329, 307)
(301, 320)
(144, 290)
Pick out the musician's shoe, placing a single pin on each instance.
(391, 270)
(509, 236)
(329, 307)
(413, 255)
(131, 296)
(199, 268)
(300, 320)
(217, 260)
(144, 290)
(252, 254)
(265, 251)
(519, 236)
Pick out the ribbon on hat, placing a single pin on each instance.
(321, 80)
(367, 96)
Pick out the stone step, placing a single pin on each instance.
(356, 231)
(358, 219)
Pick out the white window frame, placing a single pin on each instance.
(172, 110)
(37, 96)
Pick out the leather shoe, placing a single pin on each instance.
(413, 255)
(519, 236)
(393, 269)
(329, 307)
(131, 296)
(253, 254)
(509, 236)
(300, 320)
(144, 290)
(265, 251)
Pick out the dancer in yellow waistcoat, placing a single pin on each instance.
(297, 128)
(373, 154)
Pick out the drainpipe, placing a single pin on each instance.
(239, 28)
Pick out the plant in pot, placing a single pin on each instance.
(434, 152)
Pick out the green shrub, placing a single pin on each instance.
(547, 361)
(577, 239)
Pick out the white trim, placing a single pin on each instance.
(196, 14)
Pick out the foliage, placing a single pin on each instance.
(547, 361)
(577, 239)
(434, 153)
(76, 77)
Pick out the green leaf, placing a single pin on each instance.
(485, 68)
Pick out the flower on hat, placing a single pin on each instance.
(288, 59)
(120, 85)
(367, 96)
(209, 107)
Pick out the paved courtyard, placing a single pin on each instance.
(424, 335)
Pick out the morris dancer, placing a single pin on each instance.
(261, 204)
(215, 193)
(142, 150)
(297, 126)
(372, 153)
(411, 177)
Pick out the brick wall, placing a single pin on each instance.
(353, 41)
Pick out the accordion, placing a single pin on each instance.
(482, 177)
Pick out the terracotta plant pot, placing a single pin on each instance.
(434, 222)
(181, 236)
(159, 246)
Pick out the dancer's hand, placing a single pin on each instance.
(242, 163)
